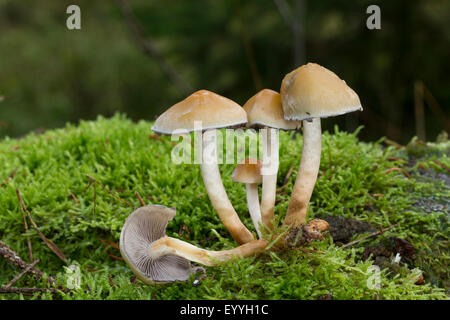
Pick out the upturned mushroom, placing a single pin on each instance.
(213, 111)
(157, 258)
(309, 93)
(264, 111)
(249, 172)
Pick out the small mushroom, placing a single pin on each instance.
(309, 93)
(249, 172)
(213, 111)
(157, 258)
(264, 111)
(141, 229)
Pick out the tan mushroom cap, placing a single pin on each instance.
(264, 109)
(213, 110)
(248, 171)
(312, 91)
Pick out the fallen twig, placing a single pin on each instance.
(282, 187)
(28, 268)
(113, 256)
(399, 169)
(140, 199)
(111, 282)
(30, 248)
(10, 255)
(95, 197)
(47, 241)
(443, 166)
(93, 180)
(110, 243)
(32, 290)
(288, 175)
(73, 197)
(368, 236)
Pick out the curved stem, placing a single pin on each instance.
(253, 205)
(169, 245)
(307, 173)
(269, 172)
(216, 191)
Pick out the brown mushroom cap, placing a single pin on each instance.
(312, 91)
(248, 171)
(213, 110)
(264, 110)
(141, 229)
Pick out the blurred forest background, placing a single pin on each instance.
(140, 57)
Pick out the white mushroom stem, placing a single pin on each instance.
(216, 191)
(253, 205)
(269, 172)
(307, 173)
(168, 245)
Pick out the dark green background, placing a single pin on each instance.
(50, 75)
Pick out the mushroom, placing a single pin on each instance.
(142, 228)
(213, 111)
(264, 110)
(157, 258)
(309, 93)
(249, 172)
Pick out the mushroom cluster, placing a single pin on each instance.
(307, 94)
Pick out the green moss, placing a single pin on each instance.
(352, 183)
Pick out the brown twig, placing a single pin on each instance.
(282, 187)
(95, 197)
(111, 282)
(288, 175)
(28, 268)
(140, 199)
(368, 236)
(443, 166)
(30, 248)
(114, 257)
(93, 180)
(47, 241)
(10, 255)
(30, 291)
(73, 197)
(110, 243)
(399, 169)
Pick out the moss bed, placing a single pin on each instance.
(356, 187)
